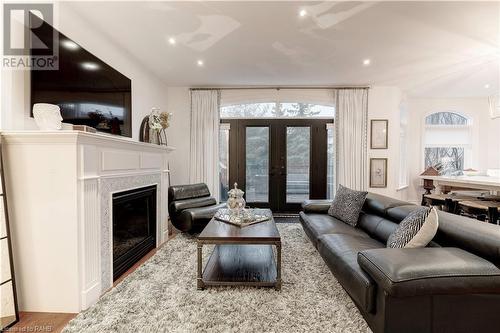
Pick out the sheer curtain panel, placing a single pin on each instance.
(351, 137)
(204, 158)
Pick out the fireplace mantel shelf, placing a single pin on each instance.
(73, 137)
(60, 192)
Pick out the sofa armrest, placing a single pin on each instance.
(427, 271)
(316, 206)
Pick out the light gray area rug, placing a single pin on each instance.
(161, 296)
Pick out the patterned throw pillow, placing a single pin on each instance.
(347, 205)
(416, 230)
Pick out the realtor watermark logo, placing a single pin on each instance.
(29, 41)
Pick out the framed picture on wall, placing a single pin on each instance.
(378, 172)
(379, 133)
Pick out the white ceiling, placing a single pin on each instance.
(434, 49)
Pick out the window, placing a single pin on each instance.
(330, 174)
(445, 118)
(224, 161)
(256, 184)
(274, 104)
(277, 110)
(298, 161)
(277, 103)
(447, 141)
(449, 159)
(306, 110)
(250, 110)
(257, 164)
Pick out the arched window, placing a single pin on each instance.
(447, 141)
(446, 118)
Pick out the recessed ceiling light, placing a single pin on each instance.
(91, 66)
(486, 86)
(302, 13)
(200, 63)
(171, 41)
(70, 45)
(367, 62)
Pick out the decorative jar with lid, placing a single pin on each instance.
(235, 201)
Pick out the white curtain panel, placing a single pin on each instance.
(351, 125)
(204, 158)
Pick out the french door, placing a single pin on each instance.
(278, 162)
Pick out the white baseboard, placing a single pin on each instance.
(90, 296)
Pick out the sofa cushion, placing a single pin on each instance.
(376, 227)
(316, 225)
(340, 252)
(379, 204)
(399, 213)
(416, 230)
(347, 205)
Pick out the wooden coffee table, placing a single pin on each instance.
(241, 257)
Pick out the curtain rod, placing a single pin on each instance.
(279, 88)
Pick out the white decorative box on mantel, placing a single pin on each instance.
(60, 186)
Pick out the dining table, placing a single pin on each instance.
(483, 182)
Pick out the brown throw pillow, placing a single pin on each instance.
(347, 205)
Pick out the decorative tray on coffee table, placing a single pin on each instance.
(244, 217)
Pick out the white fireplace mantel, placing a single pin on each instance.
(59, 187)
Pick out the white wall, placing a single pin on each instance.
(485, 149)
(384, 103)
(147, 90)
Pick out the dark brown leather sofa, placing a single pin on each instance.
(452, 285)
(191, 207)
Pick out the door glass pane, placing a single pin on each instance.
(257, 164)
(224, 161)
(330, 174)
(298, 142)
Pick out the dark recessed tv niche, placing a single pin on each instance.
(88, 91)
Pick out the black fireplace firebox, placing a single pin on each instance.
(134, 227)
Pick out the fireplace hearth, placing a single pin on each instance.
(134, 227)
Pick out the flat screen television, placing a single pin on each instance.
(88, 91)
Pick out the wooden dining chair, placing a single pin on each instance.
(437, 200)
(481, 209)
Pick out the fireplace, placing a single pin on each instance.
(134, 227)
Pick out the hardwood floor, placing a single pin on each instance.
(41, 322)
(55, 322)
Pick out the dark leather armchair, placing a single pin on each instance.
(191, 207)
